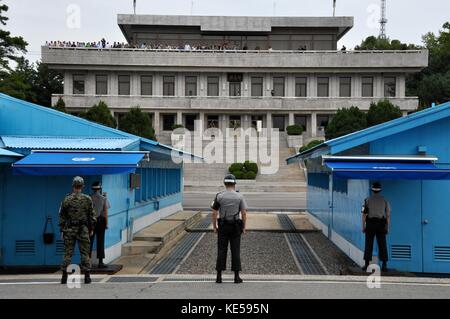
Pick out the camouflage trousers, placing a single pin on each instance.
(71, 237)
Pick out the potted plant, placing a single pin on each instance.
(294, 136)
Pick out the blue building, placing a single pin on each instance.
(40, 152)
(410, 156)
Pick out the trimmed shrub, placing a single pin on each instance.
(310, 145)
(236, 167)
(238, 174)
(294, 130)
(251, 167)
(250, 175)
(175, 126)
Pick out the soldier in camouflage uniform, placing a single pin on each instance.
(76, 222)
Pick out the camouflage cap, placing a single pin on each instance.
(78, 181)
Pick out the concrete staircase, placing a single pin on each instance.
(152, 242)
(204, 177)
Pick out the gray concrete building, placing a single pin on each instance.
(233, 72)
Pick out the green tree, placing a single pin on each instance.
(381, 112)
(60, 105)
(377, 43)
(99, 113)
(346, 121)
(10, 47)
(19, 82)
(138, 123)
(46, 82)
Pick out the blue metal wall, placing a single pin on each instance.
(26, 201)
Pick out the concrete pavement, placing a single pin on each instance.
(256, 201)
(203, 287)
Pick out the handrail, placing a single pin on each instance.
(236, 51)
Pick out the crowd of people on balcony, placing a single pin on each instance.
(103, 44)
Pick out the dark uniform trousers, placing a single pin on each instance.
(229, 232)
(376, 227)
(99, 232)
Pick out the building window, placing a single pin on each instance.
(257, 86)
(124, 85)
(367, 86)
(213, 86)
(191, 86)
(278, 86)
(389, 86)
(168, 121)
(235, 121)
(169, 86)
(212, 121)
(322, 121)
(345, 86)
(78, 84)
(300, 86)
(235, 88)
(256, 119)
(101, 84)
(323, 86)
(146, 85)
(301, 121)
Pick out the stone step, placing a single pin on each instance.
(141, 248)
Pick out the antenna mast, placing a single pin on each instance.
(383, 20)
(134, 6)
(334, 8)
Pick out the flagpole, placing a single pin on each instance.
(334, 8)
(134, 6)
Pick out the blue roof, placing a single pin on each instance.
(21, 118)
(66, 143)
(4, 152)
(375, 132)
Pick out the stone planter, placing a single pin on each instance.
(295, 141)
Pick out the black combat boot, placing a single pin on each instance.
(101, 265)
(219, 277)
(366, 265)
(64, 278)
(87, 278)
(384, 267)
(237, 279)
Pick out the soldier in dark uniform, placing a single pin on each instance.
(228, 205)
(101, 206)
(76, 222)
(376, 218)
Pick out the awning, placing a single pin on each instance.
(8, 156)
(78, 163)
(387, 170)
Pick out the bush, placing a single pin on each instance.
(236, 167)
(100, 114)
(310, 145)
(238, 174)
(176, 126)
(250, 175)
(60, 105)
(346, 121)
(251, 167)
(137, 123)
(294, 130)
(381, 112)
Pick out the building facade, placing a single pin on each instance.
(232, 72)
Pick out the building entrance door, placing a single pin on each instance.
(190, 122)
(435, 225)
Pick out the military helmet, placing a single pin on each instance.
(96, 186)
(78, 181)
(229, 179)
(376, 187)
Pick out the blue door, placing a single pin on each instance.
(405, 237)
(436, 226)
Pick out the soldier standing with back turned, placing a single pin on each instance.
(228, 205)
(76, 222)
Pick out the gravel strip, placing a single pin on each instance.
(261, 253)
(336, 262)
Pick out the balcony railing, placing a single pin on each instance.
(238, 51)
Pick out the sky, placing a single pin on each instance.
(91, 20)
